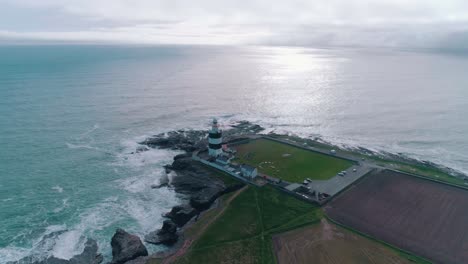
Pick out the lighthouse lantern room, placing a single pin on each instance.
(214, 140)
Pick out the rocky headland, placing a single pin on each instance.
(200, 187)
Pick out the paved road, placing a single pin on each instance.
(338, 183)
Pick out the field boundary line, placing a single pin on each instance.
(349, 187)
(307, 148)
(377, 240)
(430, 179)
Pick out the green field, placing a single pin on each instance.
(243, 233)
(289, 163)
(406, 166)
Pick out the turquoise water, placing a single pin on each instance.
(67, 128)
(71, 117)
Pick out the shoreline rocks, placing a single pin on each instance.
(126, 247)
(181, 214)
(191, 140)
(167, 235)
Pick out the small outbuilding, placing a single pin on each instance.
(223, 159)
(248, 171)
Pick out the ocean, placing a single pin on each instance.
(71, 118)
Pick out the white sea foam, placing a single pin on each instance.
(57, 188)
(82, 146)
(10, 254)
(142, 203)
(131, 157)
(63, 206)
(40, 249)
(68, 244)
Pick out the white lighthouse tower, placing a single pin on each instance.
(214, 140)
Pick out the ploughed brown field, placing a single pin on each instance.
(426, 218)
(326, 243)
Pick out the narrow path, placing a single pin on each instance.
(183, 250)
(262, 233)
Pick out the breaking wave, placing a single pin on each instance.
(133, 205)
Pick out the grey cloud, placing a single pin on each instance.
(378, 23)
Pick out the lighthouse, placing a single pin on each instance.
(214, 140)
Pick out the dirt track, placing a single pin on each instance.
(326, 243)
(426, 218)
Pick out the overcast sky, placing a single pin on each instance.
(376, 23)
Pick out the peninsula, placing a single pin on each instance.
(270, 198)
(255, 197)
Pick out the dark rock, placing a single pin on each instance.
(164, 181)
(167, 235)
(195, 180)
(190, 140)
(182, 156)
(181, 214)
(204, 198)
(157, 186)
(182, 140)
(191, 177)
(168, 168)
(126, 247)
(181, 164)
(168, 227)
(142, 149)
(90, 254)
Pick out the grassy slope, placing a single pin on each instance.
(241, 236)
(236, 237)
(243, 233)
(267, 155)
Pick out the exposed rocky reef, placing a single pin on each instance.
(197, 183)
(191, 178)
(167, 235)
(201, 188)
(190, 140)
(126, 247)
(181, 214)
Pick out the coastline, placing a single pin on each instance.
(389, 160)
(190, 178)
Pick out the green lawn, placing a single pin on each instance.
(406, 166)
(243, 209)
(243, 233)
(287, 162)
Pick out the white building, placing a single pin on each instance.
(214, 140)
(248, 171)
